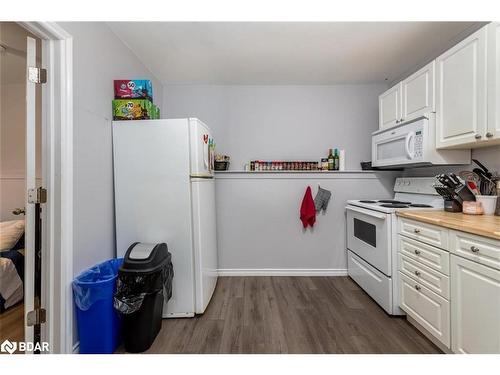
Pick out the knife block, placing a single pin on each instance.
(464, 194)
(452, 205)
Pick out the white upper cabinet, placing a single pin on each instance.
(493, 128)
(389, 104)
(409, 99)
(418, 93)
(461, 110)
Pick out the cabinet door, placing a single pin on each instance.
(461, 93)
(418, 93)
(430, 310)
(389, 106)
(493, 130)
(475, 307)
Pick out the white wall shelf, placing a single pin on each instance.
(327, 175)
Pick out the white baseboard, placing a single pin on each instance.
(282, 272)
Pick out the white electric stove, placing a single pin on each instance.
(372, 237)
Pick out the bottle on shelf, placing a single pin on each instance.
(331, 161)
(336, 160)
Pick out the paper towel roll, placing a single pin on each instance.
(342, 160)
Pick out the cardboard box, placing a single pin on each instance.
(133, 109)
(133, 89)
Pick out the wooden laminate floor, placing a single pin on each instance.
(12, 324)
(290, 315)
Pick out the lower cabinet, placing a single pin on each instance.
(475, 307)
(428, 309)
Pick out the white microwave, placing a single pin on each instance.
(413, 144)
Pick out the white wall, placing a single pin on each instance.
(258, 226)
(13, 119)
(99, 58)
(282, 122)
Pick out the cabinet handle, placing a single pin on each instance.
(416, 251)
(416, 230)
(489, 134)
(401, 120)
(477, 136)
(417, 287)
(474, 249)
(417, 273)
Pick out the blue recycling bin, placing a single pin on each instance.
(99, 326)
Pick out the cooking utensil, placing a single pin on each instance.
(469, 176)
(473, 187)
(485, 170)
(445, 180)
(444, 192)
(455, 179)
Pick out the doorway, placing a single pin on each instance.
(16, 258)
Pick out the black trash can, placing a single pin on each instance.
(144, 281)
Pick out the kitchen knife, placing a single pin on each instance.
(455, 179)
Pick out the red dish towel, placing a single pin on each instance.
(307, 209)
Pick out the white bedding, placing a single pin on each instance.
(11, 285)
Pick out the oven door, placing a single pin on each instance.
(369, 236)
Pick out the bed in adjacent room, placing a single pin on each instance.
(11, 263)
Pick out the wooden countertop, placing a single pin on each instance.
(482, 225)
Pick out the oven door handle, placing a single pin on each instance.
(367, 212)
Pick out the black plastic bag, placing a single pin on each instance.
(131, 289)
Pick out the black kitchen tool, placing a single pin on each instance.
(451, 205)
(455, 179)
(487, 173)
(444, 191)
(463, 194)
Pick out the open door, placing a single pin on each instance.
(35, 197)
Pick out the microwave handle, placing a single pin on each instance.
(366, 212)
(408, 139)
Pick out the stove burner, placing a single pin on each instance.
(365, 201)
(392, 201)
(420, 205)
(394, 205)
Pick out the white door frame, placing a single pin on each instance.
(57, 170)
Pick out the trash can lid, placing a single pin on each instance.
(144, 257)
(142, 250)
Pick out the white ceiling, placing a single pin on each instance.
(286, 52)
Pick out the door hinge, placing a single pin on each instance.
(37, 316)
(37, 75)
(37, 195)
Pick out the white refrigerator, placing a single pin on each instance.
(164, 192)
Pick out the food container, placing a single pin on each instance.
(489, 203)
(221, 165)
(133, 89)
(133, 109)
(472, 208)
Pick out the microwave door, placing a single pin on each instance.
(391, 151)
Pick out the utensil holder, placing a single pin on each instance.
(489, 203)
